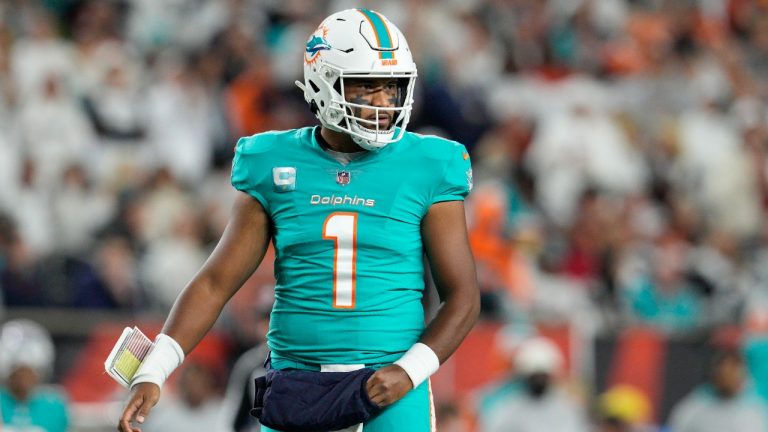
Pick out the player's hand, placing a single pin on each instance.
(388, 385)
(143, 397)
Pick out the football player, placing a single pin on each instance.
(350, 206)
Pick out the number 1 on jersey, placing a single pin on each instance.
(341, 227)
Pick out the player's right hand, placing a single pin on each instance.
(143, 397)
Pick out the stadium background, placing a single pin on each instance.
(619, 153)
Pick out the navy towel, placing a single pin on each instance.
(306, 401)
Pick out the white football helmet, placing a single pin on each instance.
(357, 43)
(25, 343)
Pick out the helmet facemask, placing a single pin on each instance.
(368, 133)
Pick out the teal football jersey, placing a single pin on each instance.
(348, 250)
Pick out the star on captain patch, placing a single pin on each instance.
(343, 177)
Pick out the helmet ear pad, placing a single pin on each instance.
(319, 94)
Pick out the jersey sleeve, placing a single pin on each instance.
(248, 173)
(456, 181)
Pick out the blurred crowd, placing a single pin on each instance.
(619, 147)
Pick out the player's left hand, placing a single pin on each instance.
(388, 385)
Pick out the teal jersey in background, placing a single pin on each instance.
(348, 249)
(45, 411)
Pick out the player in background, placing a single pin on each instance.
(351, 206)
(27, 403)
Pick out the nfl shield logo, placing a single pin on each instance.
(342, 177)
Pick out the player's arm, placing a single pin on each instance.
(444, 234)
(235, 258)
(444, 231)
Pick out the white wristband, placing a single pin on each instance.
(419, 363)
(161, 361)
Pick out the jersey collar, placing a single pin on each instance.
(315, 142)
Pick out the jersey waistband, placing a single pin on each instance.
(278, 362)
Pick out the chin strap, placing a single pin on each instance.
(365, 144)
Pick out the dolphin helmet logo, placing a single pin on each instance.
(316, 44)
